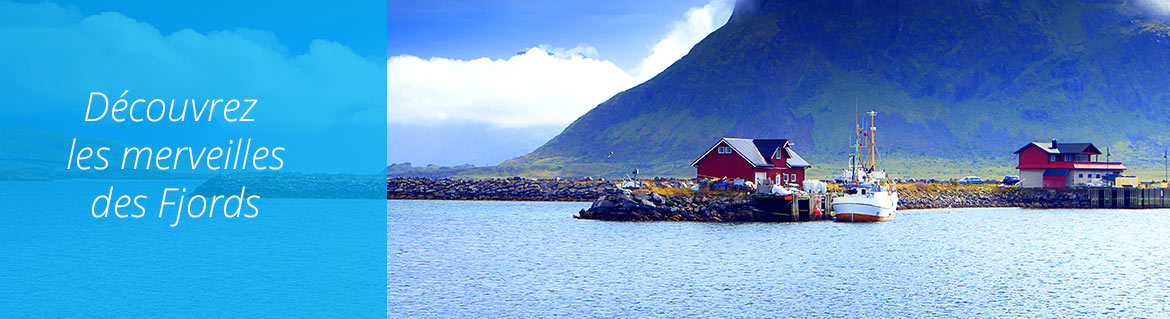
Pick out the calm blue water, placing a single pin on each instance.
(508, 259)
(313, 258)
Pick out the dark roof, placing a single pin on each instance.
(758, 151)
(768, 147)
(1064, 148)
(1056, 172)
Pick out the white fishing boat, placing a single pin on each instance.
(869, 195)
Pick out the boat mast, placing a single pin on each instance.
(872, 142)
(857, 152)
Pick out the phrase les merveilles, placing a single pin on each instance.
(167, 158)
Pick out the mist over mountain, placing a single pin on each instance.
(958, 86)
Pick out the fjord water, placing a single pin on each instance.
(517, 259)
(298, 257)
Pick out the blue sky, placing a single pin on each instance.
(622, 31)
(295, 24)
(319, 81)
(482, 81)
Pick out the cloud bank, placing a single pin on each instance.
(539, 86)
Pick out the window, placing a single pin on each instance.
(724, 150)
(1098, 175)
(1068, 157)
(1080, 175)
(1051, 158)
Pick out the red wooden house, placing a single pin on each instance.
(753, 160)
(1061, 165)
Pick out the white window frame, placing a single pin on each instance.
(724, 150)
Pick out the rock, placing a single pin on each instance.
(657, 198)
(626, 203)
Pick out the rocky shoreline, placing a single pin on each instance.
(513, 189)
(613, 203)
(624, 205)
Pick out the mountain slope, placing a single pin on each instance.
(958, 85)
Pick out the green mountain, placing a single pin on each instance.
(958, 86)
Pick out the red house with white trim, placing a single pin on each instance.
(1061, 165)
(753, 160)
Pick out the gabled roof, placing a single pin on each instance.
(795, 160)
(750, 151)
(757, 151)
(768, 147)
(1064, 148)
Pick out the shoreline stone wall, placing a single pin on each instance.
(515, 189)
(1001, 197)
(520, 189)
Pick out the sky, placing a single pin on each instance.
(479, 82)
(295, 25)
(323, 78)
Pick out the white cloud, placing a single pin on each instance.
(540, 86)
(1161, 7)
(683, 36)
(537, 87)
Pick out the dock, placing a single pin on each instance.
(794, 208)
(1128, 198)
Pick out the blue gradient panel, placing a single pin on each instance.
(269, 206)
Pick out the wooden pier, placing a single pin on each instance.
(795, 208)
(1129, 198)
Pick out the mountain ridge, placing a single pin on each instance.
(958, 85)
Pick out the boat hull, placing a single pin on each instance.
(862, 218)
(865, 208)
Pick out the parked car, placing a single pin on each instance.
(971, 180)
(1096, 183)
(1010, 180)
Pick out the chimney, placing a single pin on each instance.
(1053, 143)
